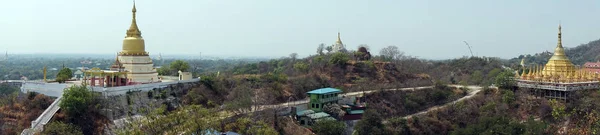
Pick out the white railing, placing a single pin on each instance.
(561, 87)
(49, 89)
(38, 124)
(112, 91)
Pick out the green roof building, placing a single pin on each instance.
(321, 97)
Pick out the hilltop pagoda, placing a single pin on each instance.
(133, 64)
(134, 57)
(338, 46)
(558, 77)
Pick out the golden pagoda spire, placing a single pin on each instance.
(559, 51)
(339, 40)
(133, 30)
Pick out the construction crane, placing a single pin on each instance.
(469, 48)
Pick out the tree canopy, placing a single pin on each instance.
(76, 100)
(329, 127)
(174, 67)
(60, 128)
(64, 74)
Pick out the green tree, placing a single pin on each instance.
(477, 77)
(76, 100)
(192, 119)
(339, 58)
(179, 65)
(60, 128)
(6, 89)
(164, 70)
(301, 67)
(64, 75)
(329, 127)
(370, 124)
(505, 80)
(508, 96)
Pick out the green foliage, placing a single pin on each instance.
(164, 70)
(76, 100)
(534, 127)
(174, 68)
(339, 58)
(508, 97)
(490, 77)
(370, 64)
(559, 111)
(329, 127)
(438, 84)
(370, 124)
(501, 125)
(247, 126)
(192, 119)
(208, 81)
(494, 125)
(60, 128)
(505, 80)
(440, 96)
(241, 101)
(64, 75)
(401, 124)
(6, 89)
(301, 67)
(179, 65)
(477, 77)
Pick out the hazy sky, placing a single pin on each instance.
(428, 29)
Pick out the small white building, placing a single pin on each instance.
(184, 75)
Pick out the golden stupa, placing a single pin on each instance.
(559, 64)
(558, 69)
(133, 44)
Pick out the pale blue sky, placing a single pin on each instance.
(428, 29)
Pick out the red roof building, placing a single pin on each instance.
(592, 67)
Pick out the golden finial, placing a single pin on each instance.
(559, 36)
(133, 29)
(133, 10)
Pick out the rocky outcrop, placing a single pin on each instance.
(142, 102)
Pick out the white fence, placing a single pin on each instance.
(38, 124)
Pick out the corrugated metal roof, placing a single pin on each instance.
(318, 115)
(357, 111)
(325, 91)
